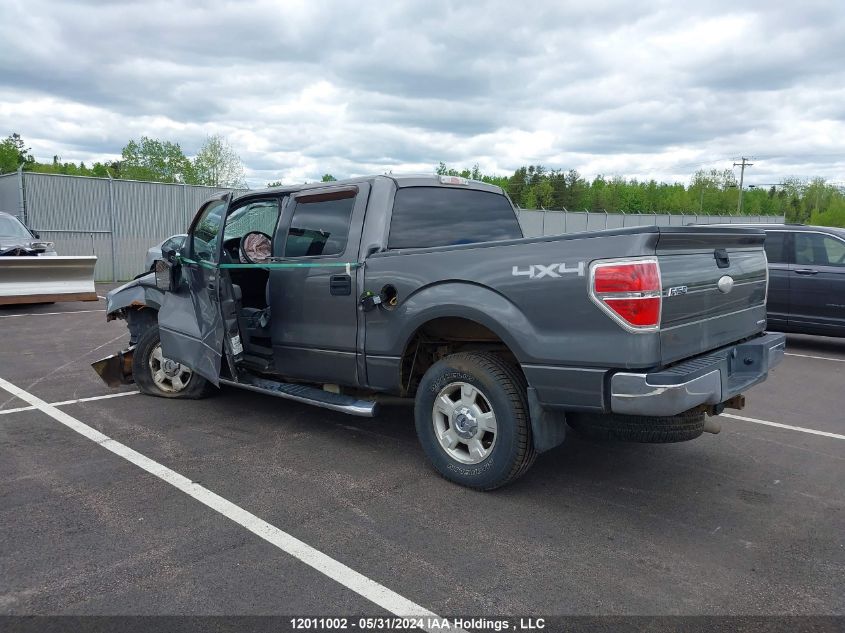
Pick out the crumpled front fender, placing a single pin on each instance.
(141, 292)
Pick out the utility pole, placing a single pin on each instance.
(743, 165)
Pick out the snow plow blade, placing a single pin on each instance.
(47, 279)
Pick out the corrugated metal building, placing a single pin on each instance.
(116, 220)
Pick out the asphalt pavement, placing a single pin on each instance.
(747, 522)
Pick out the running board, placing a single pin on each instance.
(306, 394)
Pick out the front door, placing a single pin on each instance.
(817, 283)
(314, 293)
(190, 320)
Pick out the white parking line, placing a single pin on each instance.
(783, 426)
(9, 316)
(337, 571)
(835, 360)
(64, 402)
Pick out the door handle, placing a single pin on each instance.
(340, 285)
(806, 271)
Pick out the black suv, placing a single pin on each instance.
(806, 278)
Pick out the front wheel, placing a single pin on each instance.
(472, 420)
(159, 376)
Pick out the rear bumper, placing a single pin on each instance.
(709, 379)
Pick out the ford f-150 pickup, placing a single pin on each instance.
(346, 294)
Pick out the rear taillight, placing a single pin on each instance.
(629, 290)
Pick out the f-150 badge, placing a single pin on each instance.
(538, 271)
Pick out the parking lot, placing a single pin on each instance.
(288, 509)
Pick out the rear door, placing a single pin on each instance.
(314, 294)
(190, 321)
(817, 282)
(779, 254)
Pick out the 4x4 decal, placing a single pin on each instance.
(538, 271)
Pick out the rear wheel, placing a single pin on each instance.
(157, 375)
(638, 428)
(472, 420)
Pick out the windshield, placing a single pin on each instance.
(11, 227)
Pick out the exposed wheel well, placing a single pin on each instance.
(444, 336)
(139, 319)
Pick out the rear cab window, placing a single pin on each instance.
(320, 224)
(444, 216)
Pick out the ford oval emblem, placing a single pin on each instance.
(725, 284)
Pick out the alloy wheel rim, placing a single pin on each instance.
(464, 423)
(168, 375)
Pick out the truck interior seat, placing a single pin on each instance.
(254, 322)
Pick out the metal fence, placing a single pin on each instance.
(537, 222)
(10, 201)
(118, 220)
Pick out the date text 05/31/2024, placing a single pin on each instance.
(430, 623)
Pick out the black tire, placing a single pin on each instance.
(503, 386)
(638, 428)
(196, 386)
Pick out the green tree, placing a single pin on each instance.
(544, 193)
(9, 159)
(14, 153)
(218, 165)
(516, 185)
(24, 156)
(328, 178)
(152, 159)
(529, 199)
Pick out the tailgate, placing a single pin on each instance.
(714, 288)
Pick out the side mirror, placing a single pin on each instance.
(35, 235)
(166, 275)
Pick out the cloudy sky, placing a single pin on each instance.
(644, 89)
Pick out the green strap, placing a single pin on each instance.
(271, 265)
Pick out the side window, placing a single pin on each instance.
(835, 251)
(441, 216)
(204, 237)
(259, 215)
(776, 247)
(815, 249)
(320, 224)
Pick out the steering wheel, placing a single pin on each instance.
(255, 248)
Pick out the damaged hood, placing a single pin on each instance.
(141, 292)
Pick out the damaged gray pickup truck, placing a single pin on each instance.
(346, 294)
